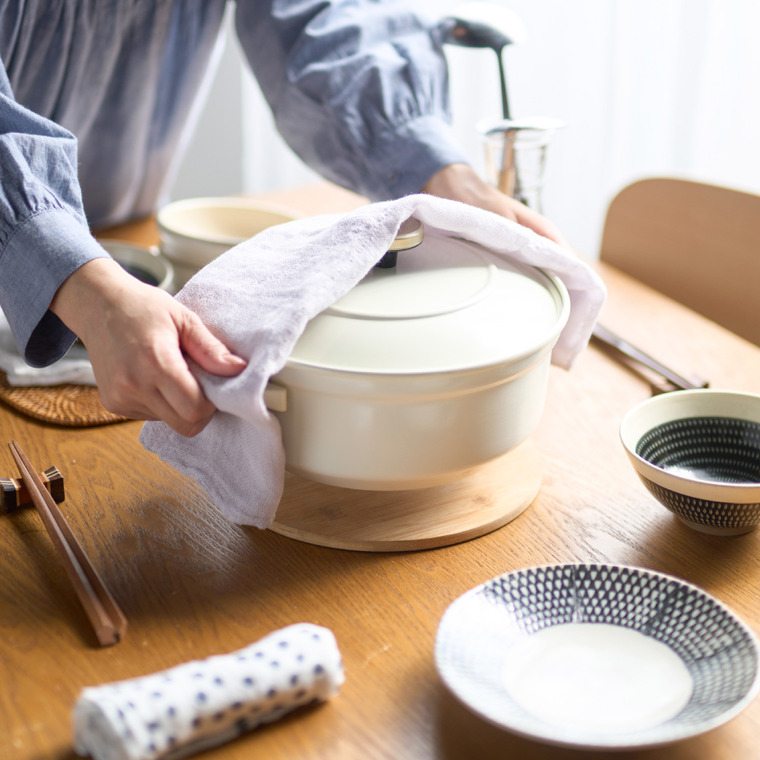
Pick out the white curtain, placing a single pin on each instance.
(645, 87)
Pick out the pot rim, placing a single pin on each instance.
(233, 202)
(548, 343)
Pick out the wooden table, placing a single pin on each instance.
(192, 584)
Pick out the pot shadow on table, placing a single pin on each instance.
(180, 572)
(183, 554)
(461, 734)
(242, 583)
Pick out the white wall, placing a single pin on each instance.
(219, 159)
(646, 87)
(213, 162)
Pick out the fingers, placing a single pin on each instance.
(204, 348)
(180, 401)
(184, 407)
(161, 389)
(460, 182)
(137, 338)
(538, 223)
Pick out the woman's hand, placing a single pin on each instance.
(137, 337)
(460, 182)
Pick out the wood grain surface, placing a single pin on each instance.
(191, 584)
(343, 518)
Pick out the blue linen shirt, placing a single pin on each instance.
(97, 97)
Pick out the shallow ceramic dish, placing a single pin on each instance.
(146, 264)
(194, 231)
(597, 656)
(698, 454)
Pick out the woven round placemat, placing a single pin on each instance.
(71, 405)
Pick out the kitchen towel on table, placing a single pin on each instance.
(259, 296)
(204, 703)
(74, 368)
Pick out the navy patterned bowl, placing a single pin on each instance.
(698, 453)
(597, 656)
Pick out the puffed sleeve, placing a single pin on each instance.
(358, 88)
(44, 235)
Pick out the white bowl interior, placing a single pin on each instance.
(195, 231)
(683, 405)
(667, 407)
(219, 221)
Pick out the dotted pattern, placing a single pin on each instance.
(715, 647)
(722, 449)
(205, 703)
(716, 514)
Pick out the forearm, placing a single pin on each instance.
(44, 236)
(85, 300)
(358, 89)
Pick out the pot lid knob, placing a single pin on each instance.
(410, 235)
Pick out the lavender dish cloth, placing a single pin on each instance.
(259, 296)
(204, 703)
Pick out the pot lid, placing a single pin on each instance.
(445, 306)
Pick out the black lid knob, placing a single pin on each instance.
(410, 235)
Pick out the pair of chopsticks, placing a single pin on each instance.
(635, 355)
(106, 617)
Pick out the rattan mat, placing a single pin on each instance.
(71, 405)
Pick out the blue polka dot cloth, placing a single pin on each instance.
(204, 703)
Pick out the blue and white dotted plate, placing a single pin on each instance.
(597, 656)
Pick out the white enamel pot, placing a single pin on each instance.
(422, 372)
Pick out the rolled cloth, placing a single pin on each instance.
(259, 296)
(204, 703)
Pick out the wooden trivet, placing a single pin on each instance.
(387, 521)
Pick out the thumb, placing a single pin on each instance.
(206, 350)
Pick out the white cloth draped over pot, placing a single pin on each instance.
(201, 704)
(259, 296)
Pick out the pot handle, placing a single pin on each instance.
(275, 397)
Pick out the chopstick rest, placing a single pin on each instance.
(14, 494)
(201, 704)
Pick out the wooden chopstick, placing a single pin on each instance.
(106, 617)
(624, 348)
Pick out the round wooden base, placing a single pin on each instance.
(389, 521)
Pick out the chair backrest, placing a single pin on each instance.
(697, 243)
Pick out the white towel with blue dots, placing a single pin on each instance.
(204, 703)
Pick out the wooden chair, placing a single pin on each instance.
(697, 243)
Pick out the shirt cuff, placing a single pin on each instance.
(42, 252)
(409, 156)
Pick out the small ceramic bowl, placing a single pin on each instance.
(698, 453)
(195, 231)
(146, 264)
